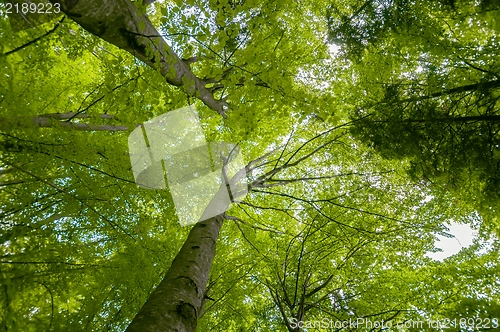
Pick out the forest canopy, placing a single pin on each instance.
(367, 128)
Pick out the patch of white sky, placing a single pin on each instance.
(462, 236)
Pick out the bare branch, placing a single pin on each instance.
(253, 226)
(44, 121)
(72, 115)
(36, 39)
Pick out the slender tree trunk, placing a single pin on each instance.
(176, 303)
(48, 121)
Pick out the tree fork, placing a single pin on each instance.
(122, 24)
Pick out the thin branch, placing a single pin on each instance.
(9, 123)
(50, 184)
(253, 226)
(478, 68)
(36, 39)
(72, 115)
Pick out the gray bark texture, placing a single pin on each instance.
(27, 122)
(122, 24)
(176, 304)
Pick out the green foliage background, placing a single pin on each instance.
(412, 91)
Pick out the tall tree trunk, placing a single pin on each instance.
(176, 303)
(122, 24)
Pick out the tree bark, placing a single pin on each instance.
(176, 303)
(122, 24)
(47, 121)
